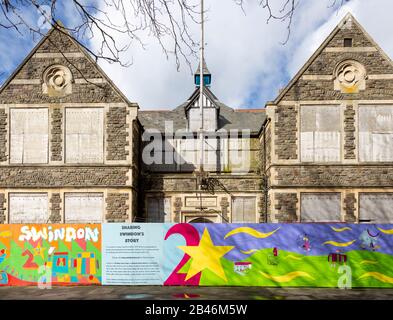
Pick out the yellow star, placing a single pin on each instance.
(206, 256)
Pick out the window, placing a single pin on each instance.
(320, 207)
(376, 133)
(29, 136)
(84, 135)
(28, 208)
(320, 133)
(239, 154)
(83, 207)
(244, 210)
(158, 209)
(347, 42)
(376, 207)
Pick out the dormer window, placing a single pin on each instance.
(209, 119)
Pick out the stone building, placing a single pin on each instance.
(229, 190)
(74, 149)
(68, 140)
(328, 139)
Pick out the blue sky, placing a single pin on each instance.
(245, 55)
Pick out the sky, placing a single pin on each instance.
(248, 62)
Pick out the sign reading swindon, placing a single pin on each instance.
(132, 254)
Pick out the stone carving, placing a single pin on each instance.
(350, 77)
(57, 81)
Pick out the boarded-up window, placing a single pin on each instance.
(29, 136)
(243, 209)
(239, 154)
(28, 208)
(84, 135)
(210, 119)
(83, 207)
(320, 133)
(158, 209)
(320, 207)
(376, 207)
(376, 133)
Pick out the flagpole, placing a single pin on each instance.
(201, 83)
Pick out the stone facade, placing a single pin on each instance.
(336, 168)
(117, 207)
(117, 135)
(57, 135)
(349, 133)
(286, 132)
(55, 210)
(286, 206)
(59, 75)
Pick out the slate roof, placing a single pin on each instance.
(229, 118)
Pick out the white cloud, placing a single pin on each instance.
(243, 53)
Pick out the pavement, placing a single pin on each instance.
(190, 293)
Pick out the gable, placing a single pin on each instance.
(58, 51)
(316, 79)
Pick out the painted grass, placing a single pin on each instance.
(297, 270)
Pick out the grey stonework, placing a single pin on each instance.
(55, 208)
(2, 208)
(285, 132)
(22, 177)
(82, 93)
(349, 133)
(285, 205)
(224, 203)
(117, 207)
(117, 135)
(57, 135)
(349, 207)
(3, 135)
(169, 183)
(335, 176)
(326, 62)
(177, 210)
(350, 31)
(79, 67)
(323, 90)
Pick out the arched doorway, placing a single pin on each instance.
(201, 220)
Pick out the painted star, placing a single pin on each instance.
(206, 256)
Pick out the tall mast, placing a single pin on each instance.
(201, 83)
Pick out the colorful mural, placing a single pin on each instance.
(59, 254)
(310, 255)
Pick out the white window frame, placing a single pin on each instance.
(341, 131)
(27, 194)
(359, 106)
(10, 139)
(67, 195)
(322, 193)
(102, 161)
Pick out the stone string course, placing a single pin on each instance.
(25, 177)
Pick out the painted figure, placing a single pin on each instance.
(306, 243)
(368, 240)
